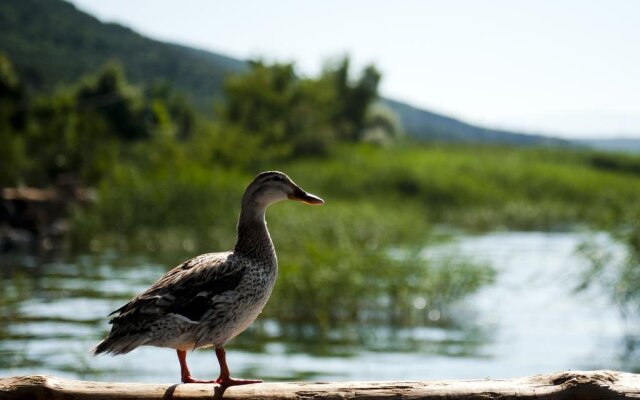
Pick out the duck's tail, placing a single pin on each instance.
(102, 347)
(121, 344)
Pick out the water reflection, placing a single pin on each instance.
(53, 310)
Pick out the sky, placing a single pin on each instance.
(568, 68)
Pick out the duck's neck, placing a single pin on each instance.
(253, 236)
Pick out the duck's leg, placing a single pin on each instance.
(184, 369)
(224, 379)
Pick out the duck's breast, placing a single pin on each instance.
(232, 312)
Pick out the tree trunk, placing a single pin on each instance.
(563, 385)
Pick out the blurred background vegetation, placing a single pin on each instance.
(164, 147)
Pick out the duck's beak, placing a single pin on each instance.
(307, 198)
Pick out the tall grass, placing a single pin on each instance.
(337, 266)
(617, 268)
(483, 187)
(471, 187)
(337, 261)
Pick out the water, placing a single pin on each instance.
(530, 321)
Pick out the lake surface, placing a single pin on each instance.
(529, 321)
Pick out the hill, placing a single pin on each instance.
(51, 42)
(430, 126)
(624, 145)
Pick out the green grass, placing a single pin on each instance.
(336, 266)
(479, 187)
(337, 261)
(470, 187)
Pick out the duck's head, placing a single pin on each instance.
(273, 186)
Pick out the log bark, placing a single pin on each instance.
(562, 385)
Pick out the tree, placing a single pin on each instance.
(293, 115)
(382, 125)
(121, 105)
(352, 98)
(286, 113)
(13, 160)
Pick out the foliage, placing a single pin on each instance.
(12, 157)
(52, 43)
(113, 101)
(84, 130)
(290, 115)
(617, 267)
(169, 178)
(351, 99)
(478, 187)
(381, 125)
(343, 271)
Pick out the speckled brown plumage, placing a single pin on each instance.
(211, 298)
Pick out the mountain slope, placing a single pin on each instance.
(622, 145)
(426, 125)
(51, 42)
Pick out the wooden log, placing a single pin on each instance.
(563, 385)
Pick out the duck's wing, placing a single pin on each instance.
(187, 291)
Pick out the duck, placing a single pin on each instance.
(209, 299)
